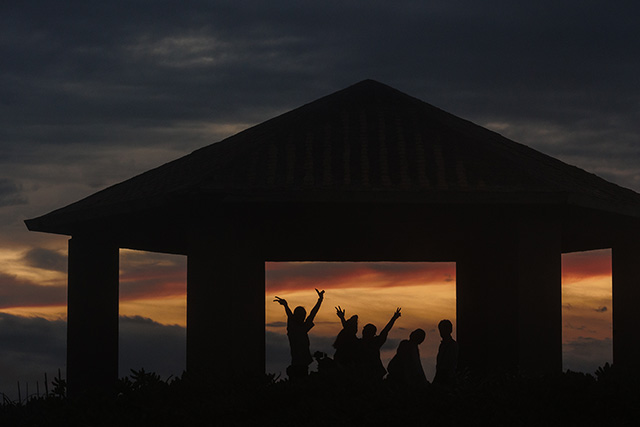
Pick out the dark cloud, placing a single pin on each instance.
(602, 309)
(153, 346)
(46, 259)
(11, 193)
(15, 292)
(146, 68)
(277, 353)
(119, 73)
(47, 336)
(31, 347)
(587, 354)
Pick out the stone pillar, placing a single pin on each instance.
(509, 300)
(486, 312)
(625, 269)
(225, 305)
(92, 315)
(540, 296)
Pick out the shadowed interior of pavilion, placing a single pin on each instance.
(365, 174)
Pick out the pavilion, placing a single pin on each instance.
(365, 174)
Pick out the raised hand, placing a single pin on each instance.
(316, 307)
(280, 301)
(393, 319)
(340, 312)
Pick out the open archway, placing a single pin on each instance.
(587, 314)
(365, 174)
(152, 313)
(424, 290)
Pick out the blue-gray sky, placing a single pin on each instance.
(94, 93)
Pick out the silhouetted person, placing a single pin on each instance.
(347, 344)
(372, 367)
(298, 327)
(447, 359)
(326, 365)
(405, 369)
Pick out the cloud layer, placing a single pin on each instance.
(282, 276)
(11, 193)
(34, 346)
(94, 93)
(20, 293)
(560, 76)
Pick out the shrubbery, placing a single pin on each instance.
(144, 399)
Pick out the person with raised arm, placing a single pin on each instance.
(371, 364)
(298, 327)
(347, 344)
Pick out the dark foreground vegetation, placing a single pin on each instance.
(144, 399)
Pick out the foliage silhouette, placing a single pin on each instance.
(145, 399)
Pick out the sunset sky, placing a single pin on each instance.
(92, 94)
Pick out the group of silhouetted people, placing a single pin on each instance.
(359, 358)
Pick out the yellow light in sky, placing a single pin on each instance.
(423, 306)
(586, 298)
(12, 263)
(154, 286)
(54, 312)
(169, 311)
(586, 309)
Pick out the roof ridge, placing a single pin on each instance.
(368, 137)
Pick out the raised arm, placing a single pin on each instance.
(341, 312)
(387, 328)
(316, 307)
(283, 302)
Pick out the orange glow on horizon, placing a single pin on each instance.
(154, 286)
(168, 311)
(374, 294)
(292, 276)
(580, 266)
(586, 296)
(51, 312)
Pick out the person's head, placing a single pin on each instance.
(417, 336)
(445, 327)
(369, 330)
(351, 324)
(299, 314)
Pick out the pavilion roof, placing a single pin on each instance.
(368, 142)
